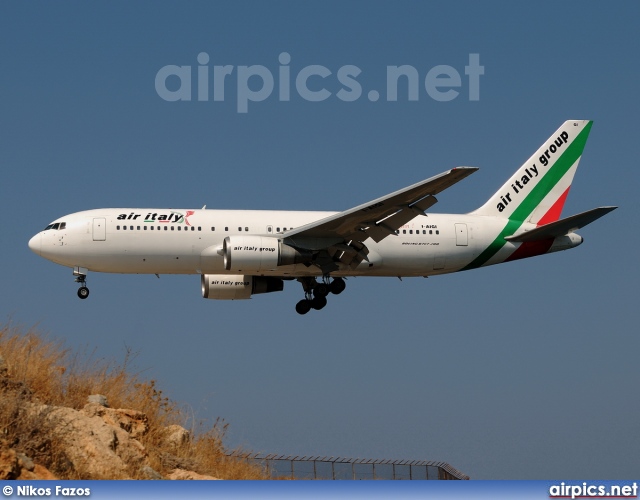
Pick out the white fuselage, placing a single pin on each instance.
(153, 241)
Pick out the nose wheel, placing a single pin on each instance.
(83, 291)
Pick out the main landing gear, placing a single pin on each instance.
(83, 291)
(315, 293)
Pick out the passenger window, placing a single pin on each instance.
(144, 227)
(246, 228)
(124, 228)
(172, 228)
(278, 229)
(152, 227)
(179, 228)
(410, 231)
(226, 228)
(239, 229)
(213, 228)
(131, 227)
(404, 231)
(165, 228)
(118, 228)
(437, 231)
(430, 231)
(138, 228)
(199, 228)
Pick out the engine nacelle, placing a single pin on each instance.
(255, 254)
(237, 286)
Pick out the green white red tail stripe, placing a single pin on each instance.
(536, 192)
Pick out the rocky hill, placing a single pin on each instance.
(57, 421)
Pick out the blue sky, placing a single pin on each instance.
(522, 371)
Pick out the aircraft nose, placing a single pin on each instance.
(35, 243)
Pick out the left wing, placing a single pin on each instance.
(342, 235)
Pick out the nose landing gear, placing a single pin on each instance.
(81, 277)
(315, 294)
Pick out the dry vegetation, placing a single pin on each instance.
(41, 370)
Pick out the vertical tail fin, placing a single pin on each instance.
(537, 191)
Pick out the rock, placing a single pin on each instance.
(9, 464)
(25, 462)
(39, 472)
(98, 399)
(94, 448)
(180, 474)
(176, 436)
(149, 473)
(134, 422)
(170, 461)
(43, 473)
(19, 466)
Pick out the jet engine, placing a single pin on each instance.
(237, 286)
(255, 254)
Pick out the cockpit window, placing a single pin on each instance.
(57, 225)
(63, 225)
(48, 227)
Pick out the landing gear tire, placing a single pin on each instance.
(315, 294)
(321, 290)
(83, 292)
(303, 307)
(318, 302)
(337, 286)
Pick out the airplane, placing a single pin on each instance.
(241, 253)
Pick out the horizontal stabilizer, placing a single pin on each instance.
(561, 227)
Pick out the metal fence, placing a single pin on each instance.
(307, 467)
